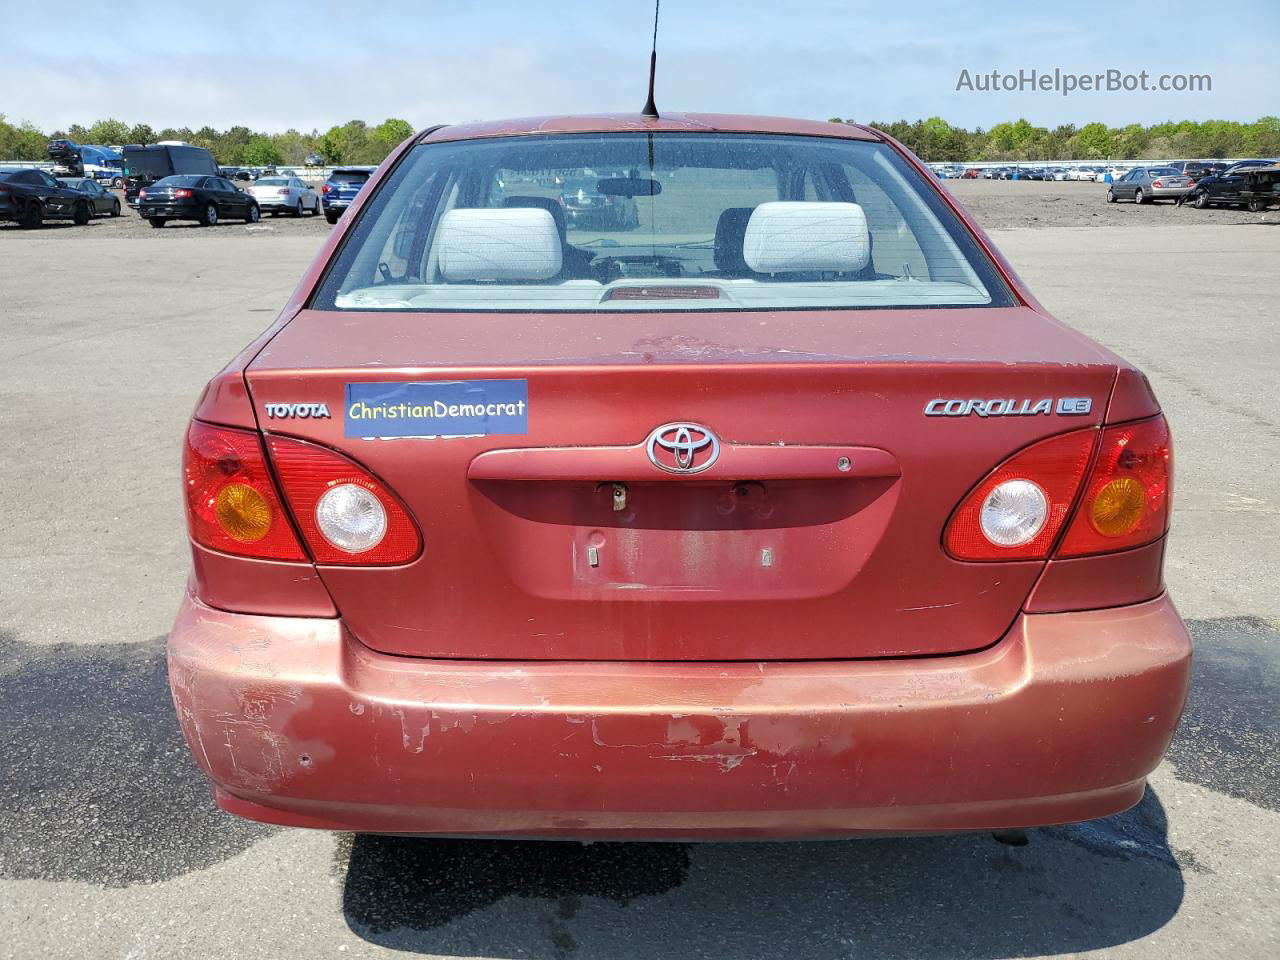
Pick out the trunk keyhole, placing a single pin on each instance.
(619, 497)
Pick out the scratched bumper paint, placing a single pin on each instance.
(297, 723)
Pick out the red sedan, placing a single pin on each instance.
(777, 507)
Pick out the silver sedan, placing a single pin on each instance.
(1144, 184)
(285, 195)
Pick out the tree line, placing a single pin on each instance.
(355, 142)
(933, 140)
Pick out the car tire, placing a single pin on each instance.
(82, 214)
(254, 214)
(209, 218)
(297, 211)
(1257, 205)
(156, 222)
(1139, 197)
(117, 183)
(1201, 201)
(115, 209)
(331, 217)
(1111, 195)
(32, 216)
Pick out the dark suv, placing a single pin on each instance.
(341, 190)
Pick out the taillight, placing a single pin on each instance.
(232, 504)
(1190, 182)
(1156, 183)
(1018, 510)
(327, 188)
(346, 515)
(142, 193)
(1126, 501)
(182, 193)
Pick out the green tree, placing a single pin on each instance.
(108, 132)
(142, 133)
(259, 152)
(1093, 142)
(390, 134)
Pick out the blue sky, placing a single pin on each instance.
(450, 61)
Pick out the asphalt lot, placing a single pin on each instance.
(110, 847)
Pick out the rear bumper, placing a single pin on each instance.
(297, 723)
(1169, 193)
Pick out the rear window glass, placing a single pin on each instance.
(349, 176)
(182, 180)
(665, 221)
(273, 181)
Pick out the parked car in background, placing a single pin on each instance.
(314, 160)
(1228, 188)
(1148, 184)
(699, 591)
(285, 195)
(1082, 173)
(204, 199)
(102, 201)
(30, 197)
(147, 165)
(585, 204)
(341, 189)
(971, 173)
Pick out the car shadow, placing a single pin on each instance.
(96, 782)
(1071, 889)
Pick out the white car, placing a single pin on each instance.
(1082, 173)
(281, 194)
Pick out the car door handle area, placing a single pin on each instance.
(735, 462)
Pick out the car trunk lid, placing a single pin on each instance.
(815, 535)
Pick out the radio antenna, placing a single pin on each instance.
(650, 110)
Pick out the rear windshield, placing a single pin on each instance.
(1162, 172)
(665, 221)
(349, 176)
(182, 180)
(147, 163)
(273, 181)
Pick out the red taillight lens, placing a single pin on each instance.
(307, 472)
(142, 193)
(1156, 183)
(182, 193)
(1126, 502)
(327, 188)
(232, 504)
(1055, 466)
(1190, 182)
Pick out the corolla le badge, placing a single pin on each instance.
(682, 448)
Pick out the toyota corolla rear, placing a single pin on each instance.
(785, 512)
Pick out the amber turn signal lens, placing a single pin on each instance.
(242, 512)
(1117, 508)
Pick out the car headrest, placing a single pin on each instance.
(504, 243)
(544, 203)
(786, 236)
(731, 228)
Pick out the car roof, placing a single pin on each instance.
(637, 123)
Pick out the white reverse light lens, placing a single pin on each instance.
(1014, 512)
(351, 518)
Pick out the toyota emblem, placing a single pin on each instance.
(682, 448)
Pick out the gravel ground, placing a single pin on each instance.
(111, 848)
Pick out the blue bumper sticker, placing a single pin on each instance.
(438, 408)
